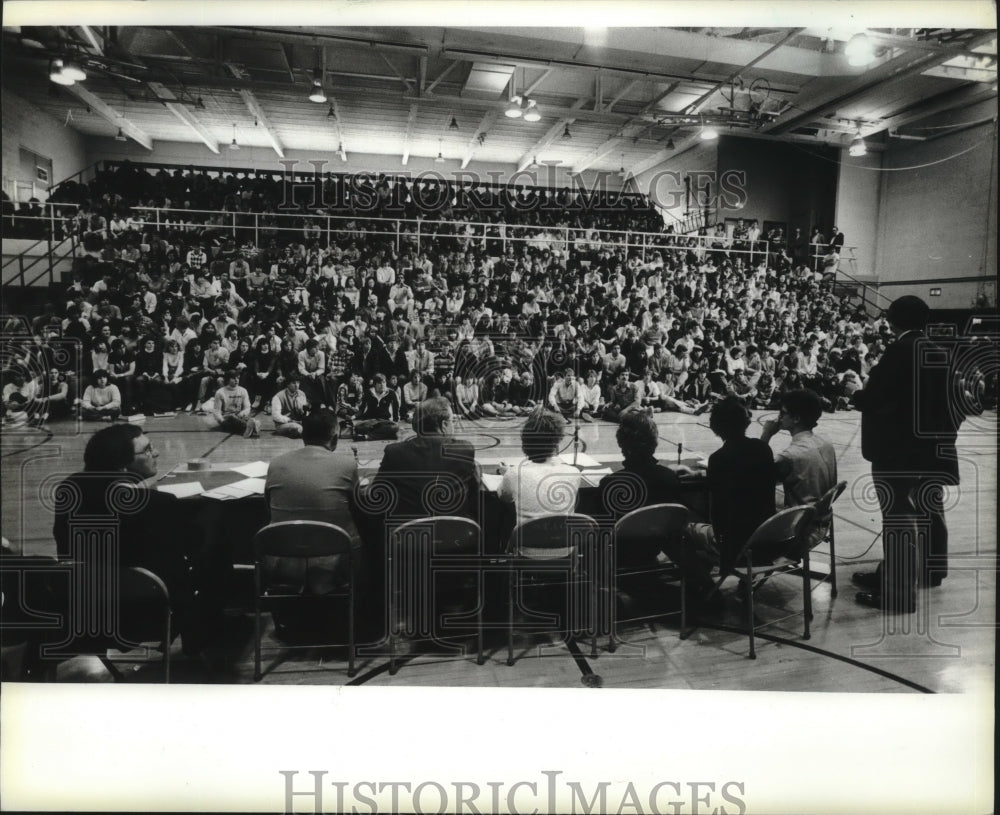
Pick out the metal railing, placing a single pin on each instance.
(60, 241)
(412, 233)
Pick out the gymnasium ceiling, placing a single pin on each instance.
(608, 98)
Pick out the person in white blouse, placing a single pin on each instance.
(541, 484)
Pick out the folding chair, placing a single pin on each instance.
(427, 559)
(561, 544)
(639, 537)
(62, 609)
(823, 523)
(778, 546)
(304, 540)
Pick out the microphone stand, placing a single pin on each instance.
(576, 433)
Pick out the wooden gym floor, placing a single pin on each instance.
(948, 646)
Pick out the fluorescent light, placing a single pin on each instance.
(859, 50)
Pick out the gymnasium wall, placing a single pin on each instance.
(858, 187)
(24, 125)
(937, 215)
(789, 183)
(665, 182)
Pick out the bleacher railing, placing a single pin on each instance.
(413, 233)
(53, 228)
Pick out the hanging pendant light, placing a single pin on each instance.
(858, 146)
(120, 135)
(513, 110)
(57, 75)
(531, 113)
(317, 94)
(859, 50)
(233, 145)
(440, 158)
(74, 71)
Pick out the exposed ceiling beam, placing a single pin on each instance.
(404, 79)
(110, 115)
(253, 105)
(950, 100)
(600, 152)
(701, 100)
(550, 136)
(488, 120)
(430, 88)
(411, 120)
(287, 57)
(282, 35)
(94, 38)
(169, 100)
(534, 86)
(625, 89)
(882, 75)
(422, 74)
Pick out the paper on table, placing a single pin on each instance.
(251, 486)
(183, 490)
(256, 469)
(592, 478)
(582, 460)
(492, 481)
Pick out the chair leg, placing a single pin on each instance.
(833, 564)
(479, 631)
(749, 608)
(256, 646)
(510, 619)
(807, 611)
(166, 650)
(351, 670)
(393, 633)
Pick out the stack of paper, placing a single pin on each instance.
(582, 460)
(184, 490)
(255, 469)
(239, 489)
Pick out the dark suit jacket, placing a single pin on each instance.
(905, 410)
(426, 476)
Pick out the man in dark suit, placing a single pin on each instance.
(909, 437)
(430, 474)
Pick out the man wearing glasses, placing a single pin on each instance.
(107, 517)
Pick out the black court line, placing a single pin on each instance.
(822, 652)
(50, 435)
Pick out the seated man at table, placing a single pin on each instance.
(434, 457)
(231, 409)
(741, 478)
(288, 408)
(149, 530)
(642, 481)
(807, 468)
(312, 483)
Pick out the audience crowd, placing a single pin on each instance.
(167, 303)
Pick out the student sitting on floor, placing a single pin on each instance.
(231, 409)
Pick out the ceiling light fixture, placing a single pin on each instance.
(330, 114)
(317, 94)
(531, 113)
(440, 158)
(859, 50)
(566, 134)
(58, 75)
(709, 133)
(120, 135)
(858, 146)
(513, 110)
(454, 124)
(74, 72)
(534, 163)
(233, 145)
(670, 143)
